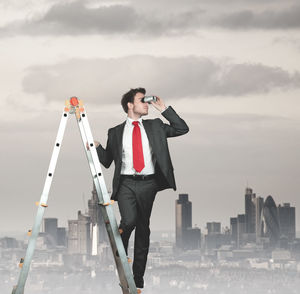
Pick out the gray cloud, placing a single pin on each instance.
(268, 19)
(76, 18)
(105, 80)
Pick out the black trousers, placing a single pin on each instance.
(135, 200)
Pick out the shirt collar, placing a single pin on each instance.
(129, 121)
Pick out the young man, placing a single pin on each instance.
(143, 166)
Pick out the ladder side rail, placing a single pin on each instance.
(104, 213)
(41, 209)
(89, 158)
(111, 223)
(123, 281)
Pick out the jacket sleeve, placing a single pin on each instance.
(177, 126)
(105, 155)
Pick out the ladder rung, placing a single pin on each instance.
(21, 262)
(37, 203)
(107, 203)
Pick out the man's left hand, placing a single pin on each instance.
(159, 104)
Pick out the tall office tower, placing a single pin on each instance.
(183, 212)
(287, 221)
(270, 221)
(233, 229)
(96, 218)
(193, 239)
(250, 211)
(241, 229)
(79, 241)
(213, 228)
(50, 229)
(61, 237)
(259, 204)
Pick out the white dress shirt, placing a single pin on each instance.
(127, 156)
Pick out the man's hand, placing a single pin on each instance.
(95, 142)
(159, 104)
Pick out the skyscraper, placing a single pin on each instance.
(287, 221)
(233, 230)
(250, 216)
(96, 217)
(241, 229)
(270, 221)
(61, 237)
(186, 236)
(183, 218)
(213, 228)
(79, 240)
(50, 229)
(259, 204)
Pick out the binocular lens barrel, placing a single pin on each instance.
(149, 99)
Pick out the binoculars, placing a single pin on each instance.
(148, 99)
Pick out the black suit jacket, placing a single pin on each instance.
(157, 133)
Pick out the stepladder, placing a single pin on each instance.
(74, 106)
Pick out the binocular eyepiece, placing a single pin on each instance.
(148, 99)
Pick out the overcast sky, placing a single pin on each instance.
(230, 70)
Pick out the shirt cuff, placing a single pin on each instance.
(164, 109)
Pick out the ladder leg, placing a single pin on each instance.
(19, 289)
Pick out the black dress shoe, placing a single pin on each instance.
(139, 281)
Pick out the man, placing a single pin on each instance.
(143, 166)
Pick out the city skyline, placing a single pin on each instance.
(90, 210)
(239, 248)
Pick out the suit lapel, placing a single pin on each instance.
(149, 132)
(119, 137)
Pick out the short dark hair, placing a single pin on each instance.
(129, 97)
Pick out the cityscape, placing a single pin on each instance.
(258, 253)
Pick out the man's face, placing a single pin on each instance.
(139, 107)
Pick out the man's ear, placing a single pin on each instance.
(129, 105)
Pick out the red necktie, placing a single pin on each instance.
(137, 148)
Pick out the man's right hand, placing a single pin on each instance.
(95, 142)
